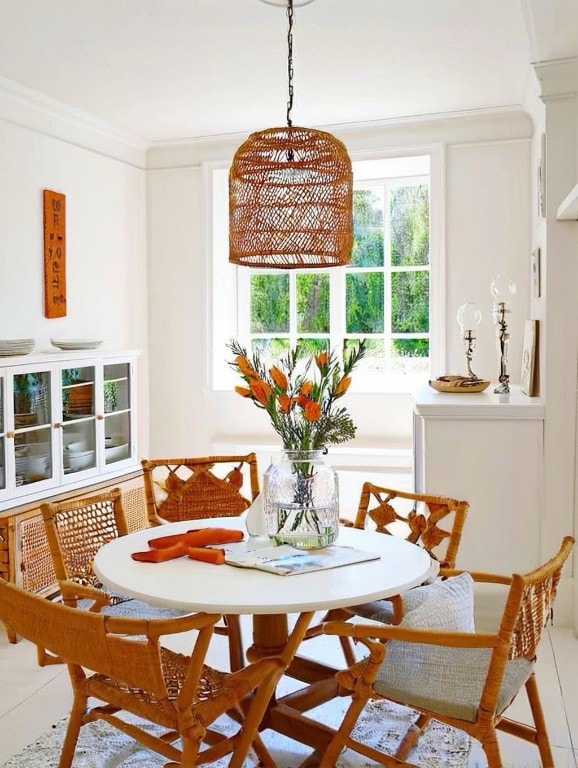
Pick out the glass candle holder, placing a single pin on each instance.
(469, 317)
(502, 290)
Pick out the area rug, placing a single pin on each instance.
(381, 725)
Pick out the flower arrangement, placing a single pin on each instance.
(300, 393)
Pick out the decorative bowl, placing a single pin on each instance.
(452, 383)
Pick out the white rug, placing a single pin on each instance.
(381, 725)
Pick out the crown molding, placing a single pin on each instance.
(454, 128)
(558, 78)
(30, 109)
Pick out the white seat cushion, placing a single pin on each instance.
(438, 678)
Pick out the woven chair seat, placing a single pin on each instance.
(212, 684)
(457, 691)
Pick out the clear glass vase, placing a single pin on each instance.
(302, 501)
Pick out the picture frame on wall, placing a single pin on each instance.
(528, 383)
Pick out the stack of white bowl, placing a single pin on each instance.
(77, 456)
(10, 347)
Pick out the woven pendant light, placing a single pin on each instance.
(290, 195)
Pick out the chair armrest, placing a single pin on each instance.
(477, 576)
(404, 634)
(72, 591)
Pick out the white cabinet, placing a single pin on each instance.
(486, 449)
(66, 420)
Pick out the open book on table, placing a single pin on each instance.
(288, 561)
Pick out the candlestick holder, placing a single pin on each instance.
(469, 317)
(502, 289)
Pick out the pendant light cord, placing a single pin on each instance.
(290, 61)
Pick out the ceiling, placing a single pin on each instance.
(178, 69)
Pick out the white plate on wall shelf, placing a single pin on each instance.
(71, 344)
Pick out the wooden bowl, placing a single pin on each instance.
(458, 384)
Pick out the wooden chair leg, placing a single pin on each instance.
(492, 750)
(412, 735)
(339, 741)
(539, 722)
(236, 654)
(44, 659)
(11, 634)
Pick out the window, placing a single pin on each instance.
(385, 295)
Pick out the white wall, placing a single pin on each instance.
(105, 234)
(487, 178)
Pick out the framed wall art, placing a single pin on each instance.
(528, 377)
(54, 212)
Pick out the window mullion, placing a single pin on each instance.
(387, 304)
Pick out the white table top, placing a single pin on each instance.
(194, 586)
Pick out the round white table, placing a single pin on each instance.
(196, 586)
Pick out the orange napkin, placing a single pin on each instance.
(198, 537)
(194, 543)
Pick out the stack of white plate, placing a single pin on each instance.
(66, 344)
(10, 347)
(31, 466)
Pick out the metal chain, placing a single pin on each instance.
(290, 61)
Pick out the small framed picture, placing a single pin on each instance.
(536, 268)
(529, 369)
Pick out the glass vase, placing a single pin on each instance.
(302, 501)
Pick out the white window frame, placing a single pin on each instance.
(227, 284)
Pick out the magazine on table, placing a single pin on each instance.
(289, 561)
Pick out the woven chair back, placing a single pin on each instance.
(434, 522)
(90, 640)
(77, 529)
(530, 603)
(196, 488)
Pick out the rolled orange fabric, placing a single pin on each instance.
(160, 555)
(198, 537)
(206, 554)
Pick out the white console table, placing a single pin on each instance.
(486, 449)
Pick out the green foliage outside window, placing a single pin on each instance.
(367, 229)
(269, 303)
(409, 212)
(410, 302)
(313, 303)
(364, 302)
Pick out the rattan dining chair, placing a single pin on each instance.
(75, 531)
(433, 522)
(436, 663)
(196, 488)
(132, 673)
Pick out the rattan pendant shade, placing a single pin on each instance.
(290, 200)
(290, 193)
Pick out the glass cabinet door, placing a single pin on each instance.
(117, 394)
(33, 433)
(2, 435)
(78, 420)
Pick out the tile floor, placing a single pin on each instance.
(32, 698)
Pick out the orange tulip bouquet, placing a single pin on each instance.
(301, 394)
